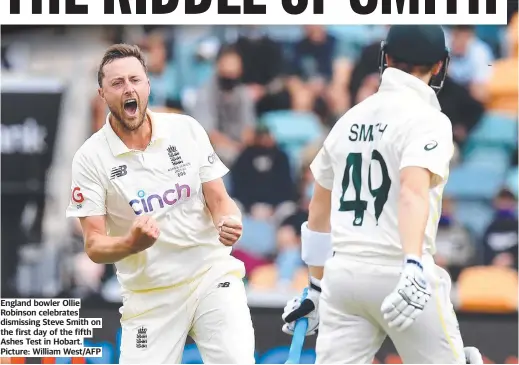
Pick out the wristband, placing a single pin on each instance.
(316, 247)
(414, 260)
(315, 284)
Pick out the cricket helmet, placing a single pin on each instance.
(418, 45)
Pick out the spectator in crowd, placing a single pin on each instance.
(317, 70)
(366, 67)
(500, 238)
(162, 72)
(260, 178)
(454, 243)
(263, 68)
(502, 88)
(471, 59)
(225, 108)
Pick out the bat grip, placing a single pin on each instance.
(298, 337)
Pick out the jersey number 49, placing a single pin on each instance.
(380, 194)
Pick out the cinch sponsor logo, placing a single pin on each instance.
(148, 203)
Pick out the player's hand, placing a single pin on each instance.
(472, 355)
(230, 230)
(143, 234)
(308, 308)
(408, 300)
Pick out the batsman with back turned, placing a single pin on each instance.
(370, 237)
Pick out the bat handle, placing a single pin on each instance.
(298, 338)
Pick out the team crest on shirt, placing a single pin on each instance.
(141, 340)
(179, 166)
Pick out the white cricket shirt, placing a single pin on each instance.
(401, 125)
(163, 181)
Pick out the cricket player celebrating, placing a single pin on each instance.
(147, 189)
(370, 236)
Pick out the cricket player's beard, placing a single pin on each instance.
(127, 124)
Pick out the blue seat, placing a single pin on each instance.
(194, 72)
(293, 131)
(284, 33)
(512, 180)
(474, 182)
(476, 216)
(496, 159)
(494, 130)
(259, 237)
(290, 127)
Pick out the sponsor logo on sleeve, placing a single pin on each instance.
(431, 145)
(77, 197)
(212, 158)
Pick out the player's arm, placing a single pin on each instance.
(99, 247)
(224, 212)
(318, 228)
(87, 203)
(103, 249)
(413, 208)
(316, 245)
(425, 158)
(424, 164)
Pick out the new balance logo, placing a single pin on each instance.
(224, 285)
(118, 172)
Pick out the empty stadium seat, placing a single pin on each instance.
(293, 131)
(474, 182)
(494, 130)
(284, 33)
(512, 180)
(476, 216)
(259, 237)
(266, 278)
(492, 158)
(488, 289)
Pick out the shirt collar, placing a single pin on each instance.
(118, 147)
(394, 79)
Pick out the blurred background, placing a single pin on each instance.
(267, 96)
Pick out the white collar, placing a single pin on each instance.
(394, 79)
(118, 147)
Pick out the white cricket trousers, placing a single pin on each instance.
(212, 309)
(352, 327)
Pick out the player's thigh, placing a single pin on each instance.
(222, 327)
(346, 335)
(154, 329)
(435, 337)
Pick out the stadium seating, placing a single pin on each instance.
(493, 158)
(494, 130)
(266, 278)
(511, 180)
(473, 182)
(478, 292)
(259, 237)
(293, 131)
(474, 215)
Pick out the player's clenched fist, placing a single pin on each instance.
(143, 233)
(230, 230)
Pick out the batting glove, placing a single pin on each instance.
(308, 308)
(472, 355)
(408, 300)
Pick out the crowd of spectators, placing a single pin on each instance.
(267, 97)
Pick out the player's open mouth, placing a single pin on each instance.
(130, 106)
